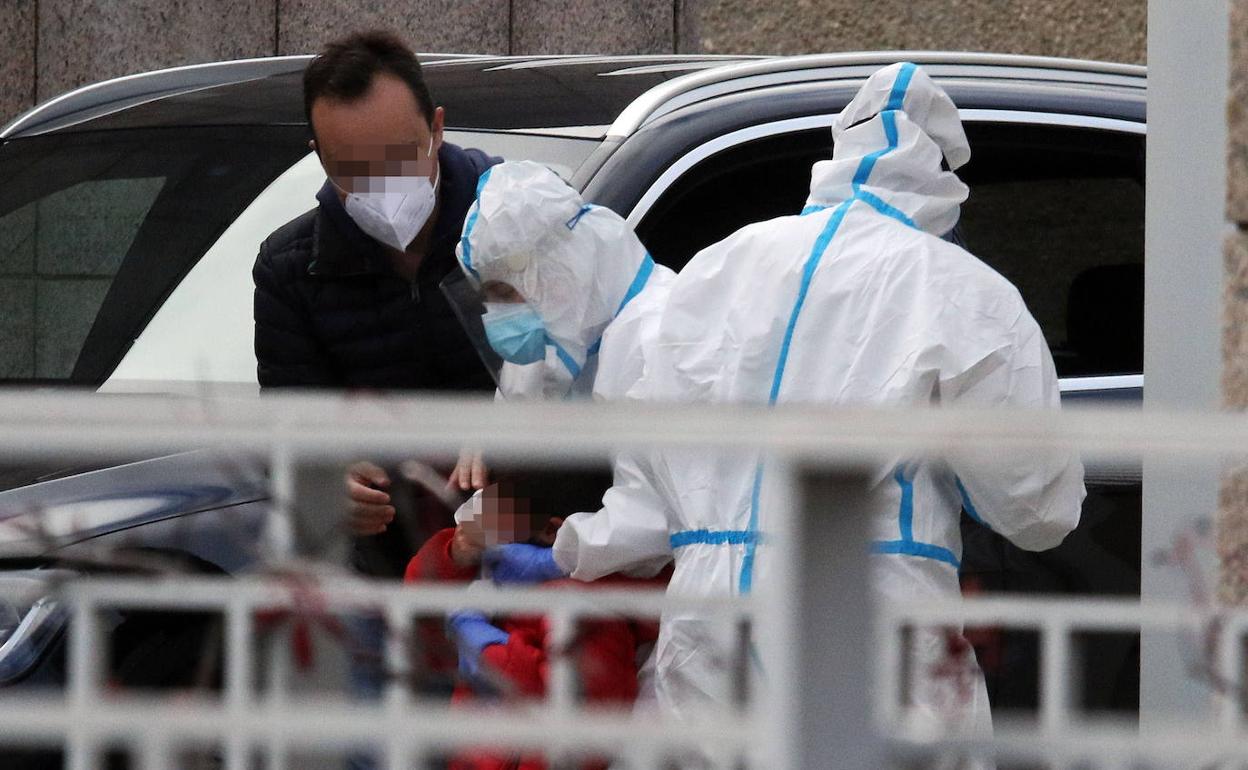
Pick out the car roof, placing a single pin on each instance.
(532, 93)
(478, 92)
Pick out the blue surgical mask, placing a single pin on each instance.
(515, 331)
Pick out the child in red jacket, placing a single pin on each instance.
(507, 657)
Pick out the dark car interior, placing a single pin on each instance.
(1058, 211)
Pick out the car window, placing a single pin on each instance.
(1058, 211)
(562, 154)
(97, 228)
(58, 256)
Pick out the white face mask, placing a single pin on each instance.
(394, 208)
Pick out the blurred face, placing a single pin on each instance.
(381, 134)
(504, 516)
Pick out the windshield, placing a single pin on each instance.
(97, 228)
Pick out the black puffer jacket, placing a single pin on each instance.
(331, 312)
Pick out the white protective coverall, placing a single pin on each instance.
(856, 301)
(600, 295)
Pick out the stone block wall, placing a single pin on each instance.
(17, 57)
(82, 41)
(1113, 31)
(445, 26)
(48, 47)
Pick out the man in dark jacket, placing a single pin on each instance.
(347, 295)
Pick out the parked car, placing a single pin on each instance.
(133, 210)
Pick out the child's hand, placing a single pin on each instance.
(468, 544)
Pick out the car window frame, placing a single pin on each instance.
(1126, 384)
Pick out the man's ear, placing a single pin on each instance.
(437, 125)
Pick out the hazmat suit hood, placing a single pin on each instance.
(889, 141)
(576, 265)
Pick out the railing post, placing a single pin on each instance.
(280, 528)
(832, 622)
(85, 674)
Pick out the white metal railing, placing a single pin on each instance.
(771, 730)
(243, 718)
(1060, 736)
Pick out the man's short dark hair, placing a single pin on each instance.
(345, 69)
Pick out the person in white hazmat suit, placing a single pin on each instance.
(856, 301)
(570, 299)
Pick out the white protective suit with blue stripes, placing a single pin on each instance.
(856, 301)
(600, 296)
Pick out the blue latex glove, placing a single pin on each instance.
(472, 633)
(521, 563)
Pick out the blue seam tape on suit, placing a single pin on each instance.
(889, 211)
(745, 582)
(907, 545)
(639, 283)
(566, 358)
(712, 537)
(905, 515)
(576, 220)
(967, 505)
(472, 222)
(897, 99)
(913, 548)
(861, 176)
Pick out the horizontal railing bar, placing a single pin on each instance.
(1184, 744)
(1077, 613)
(325, 426)
(329, 723)
(353, 594)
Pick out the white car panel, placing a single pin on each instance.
(203, 332)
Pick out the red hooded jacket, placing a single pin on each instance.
(607, 651)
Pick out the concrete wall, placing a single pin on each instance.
(1233, 502)
(50, 46)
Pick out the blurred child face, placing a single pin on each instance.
(504, 516)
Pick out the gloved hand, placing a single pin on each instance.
(472, 633)
(522, 563)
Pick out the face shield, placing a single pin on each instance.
(468, 303)
(511, 339)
